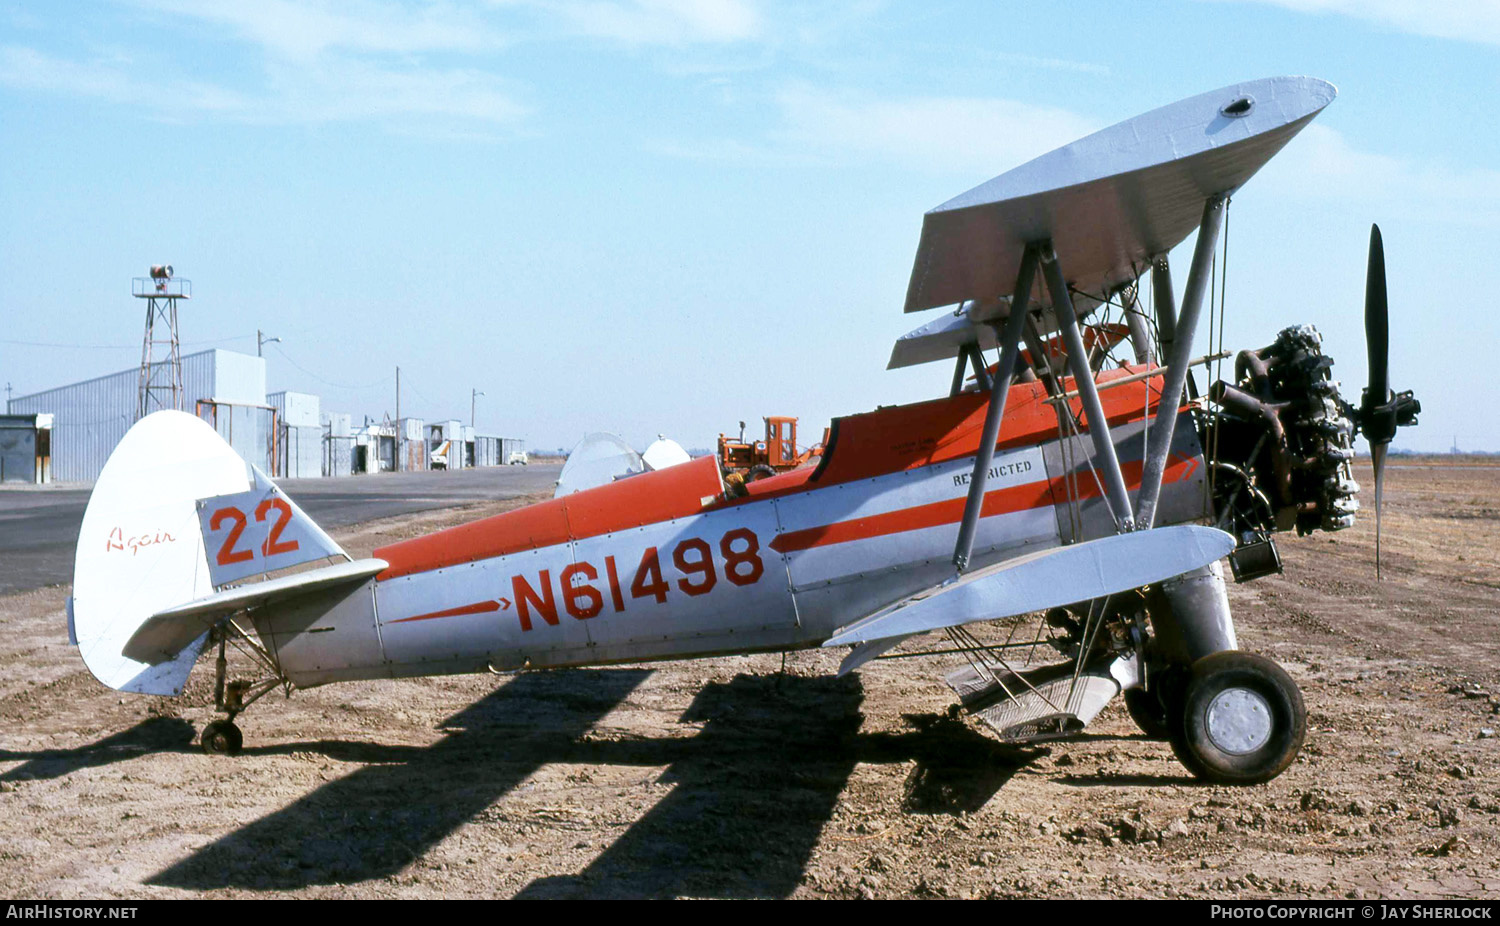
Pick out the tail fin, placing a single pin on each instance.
(175, 515)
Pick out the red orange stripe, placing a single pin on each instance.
(936, 514)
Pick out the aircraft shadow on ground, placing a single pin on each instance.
(154, 734)
(377, 820)
(754, 788)
(748, 828)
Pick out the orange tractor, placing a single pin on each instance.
(752, 460)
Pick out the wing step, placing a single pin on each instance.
(1047, 704)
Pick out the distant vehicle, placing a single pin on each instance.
(777, 453)
(439, 456)
(1085, 504)
(517, 457)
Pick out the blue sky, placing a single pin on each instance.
(666, 216)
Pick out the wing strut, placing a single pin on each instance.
(1039, 359)
(1159, 441)
(1010, 339)
(960, 367)
(1088, 392)
(981, 372)
(1140, 333)
(1165, 301)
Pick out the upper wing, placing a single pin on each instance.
(1112, 201)
(1048, 579)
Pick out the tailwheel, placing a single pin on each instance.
(1241, 721)
(222, 738)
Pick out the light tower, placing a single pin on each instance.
(161, 358)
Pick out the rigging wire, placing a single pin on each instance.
(328, 382)
(135, 346)
(1212, 450)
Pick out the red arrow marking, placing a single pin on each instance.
(477, 607)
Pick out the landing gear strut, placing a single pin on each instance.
(222, 737)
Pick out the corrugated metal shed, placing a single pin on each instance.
(239, 379)
(411, 445)
(486, 450)
(493, 450)
(338, 444)
(412, 456)
(445, 439)
(297, 409)
(299, 443)
(26, 448)
(375, 448)
(90, 417)
(301, 450)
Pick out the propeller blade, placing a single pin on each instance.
(1377, 323)
(1379, 429)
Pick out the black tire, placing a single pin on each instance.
(1241, 721)
(759, 471)
(222, 738)
(1148, 712)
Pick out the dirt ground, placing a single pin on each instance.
(727, 778)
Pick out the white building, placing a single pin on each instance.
(226, 389)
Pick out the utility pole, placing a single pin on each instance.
(398, 393)
(261, 341)
(474, 395)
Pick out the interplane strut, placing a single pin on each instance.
(1010, 338)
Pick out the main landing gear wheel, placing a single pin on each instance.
(1242, 720)
(222, 738)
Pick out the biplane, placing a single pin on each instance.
(1057, 520)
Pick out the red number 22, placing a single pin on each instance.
(228, 555)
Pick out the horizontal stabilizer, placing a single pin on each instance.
(1048, 579)
(165, 633)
